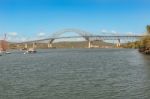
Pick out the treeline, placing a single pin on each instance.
(144, 42)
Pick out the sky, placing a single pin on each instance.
(22, 19)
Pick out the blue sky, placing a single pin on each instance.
(30, 18)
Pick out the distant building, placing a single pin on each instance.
(3, 45)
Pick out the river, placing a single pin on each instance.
(75, 74)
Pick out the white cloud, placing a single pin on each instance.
(41, 34)
(23, 39)
(13, 33)
(130, 33)
(113, 32)
(104, 31)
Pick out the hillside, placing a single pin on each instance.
(66, 44)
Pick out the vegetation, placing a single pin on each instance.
(144, 42)
(135, 44)
(148, 29)
(65, 44)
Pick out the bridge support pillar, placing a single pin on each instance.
(18, 46)
(49, 45)
(89, 44)
(26, 45)
(118, 43)
(34, 45)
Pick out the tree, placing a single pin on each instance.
(148, 29)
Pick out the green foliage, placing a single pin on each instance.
(148, 29)
(146, 41)
(135, 44)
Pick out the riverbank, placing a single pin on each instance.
(66, 44)
(145, 50)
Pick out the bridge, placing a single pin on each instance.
(87, 36)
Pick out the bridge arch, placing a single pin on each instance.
(81, 33)
(86, 35)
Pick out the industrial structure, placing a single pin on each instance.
(3, 44)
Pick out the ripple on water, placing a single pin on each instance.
(75, 74)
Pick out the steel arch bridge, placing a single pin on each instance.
(56, 35)
(82, 34)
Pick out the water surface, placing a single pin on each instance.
(75, 74)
